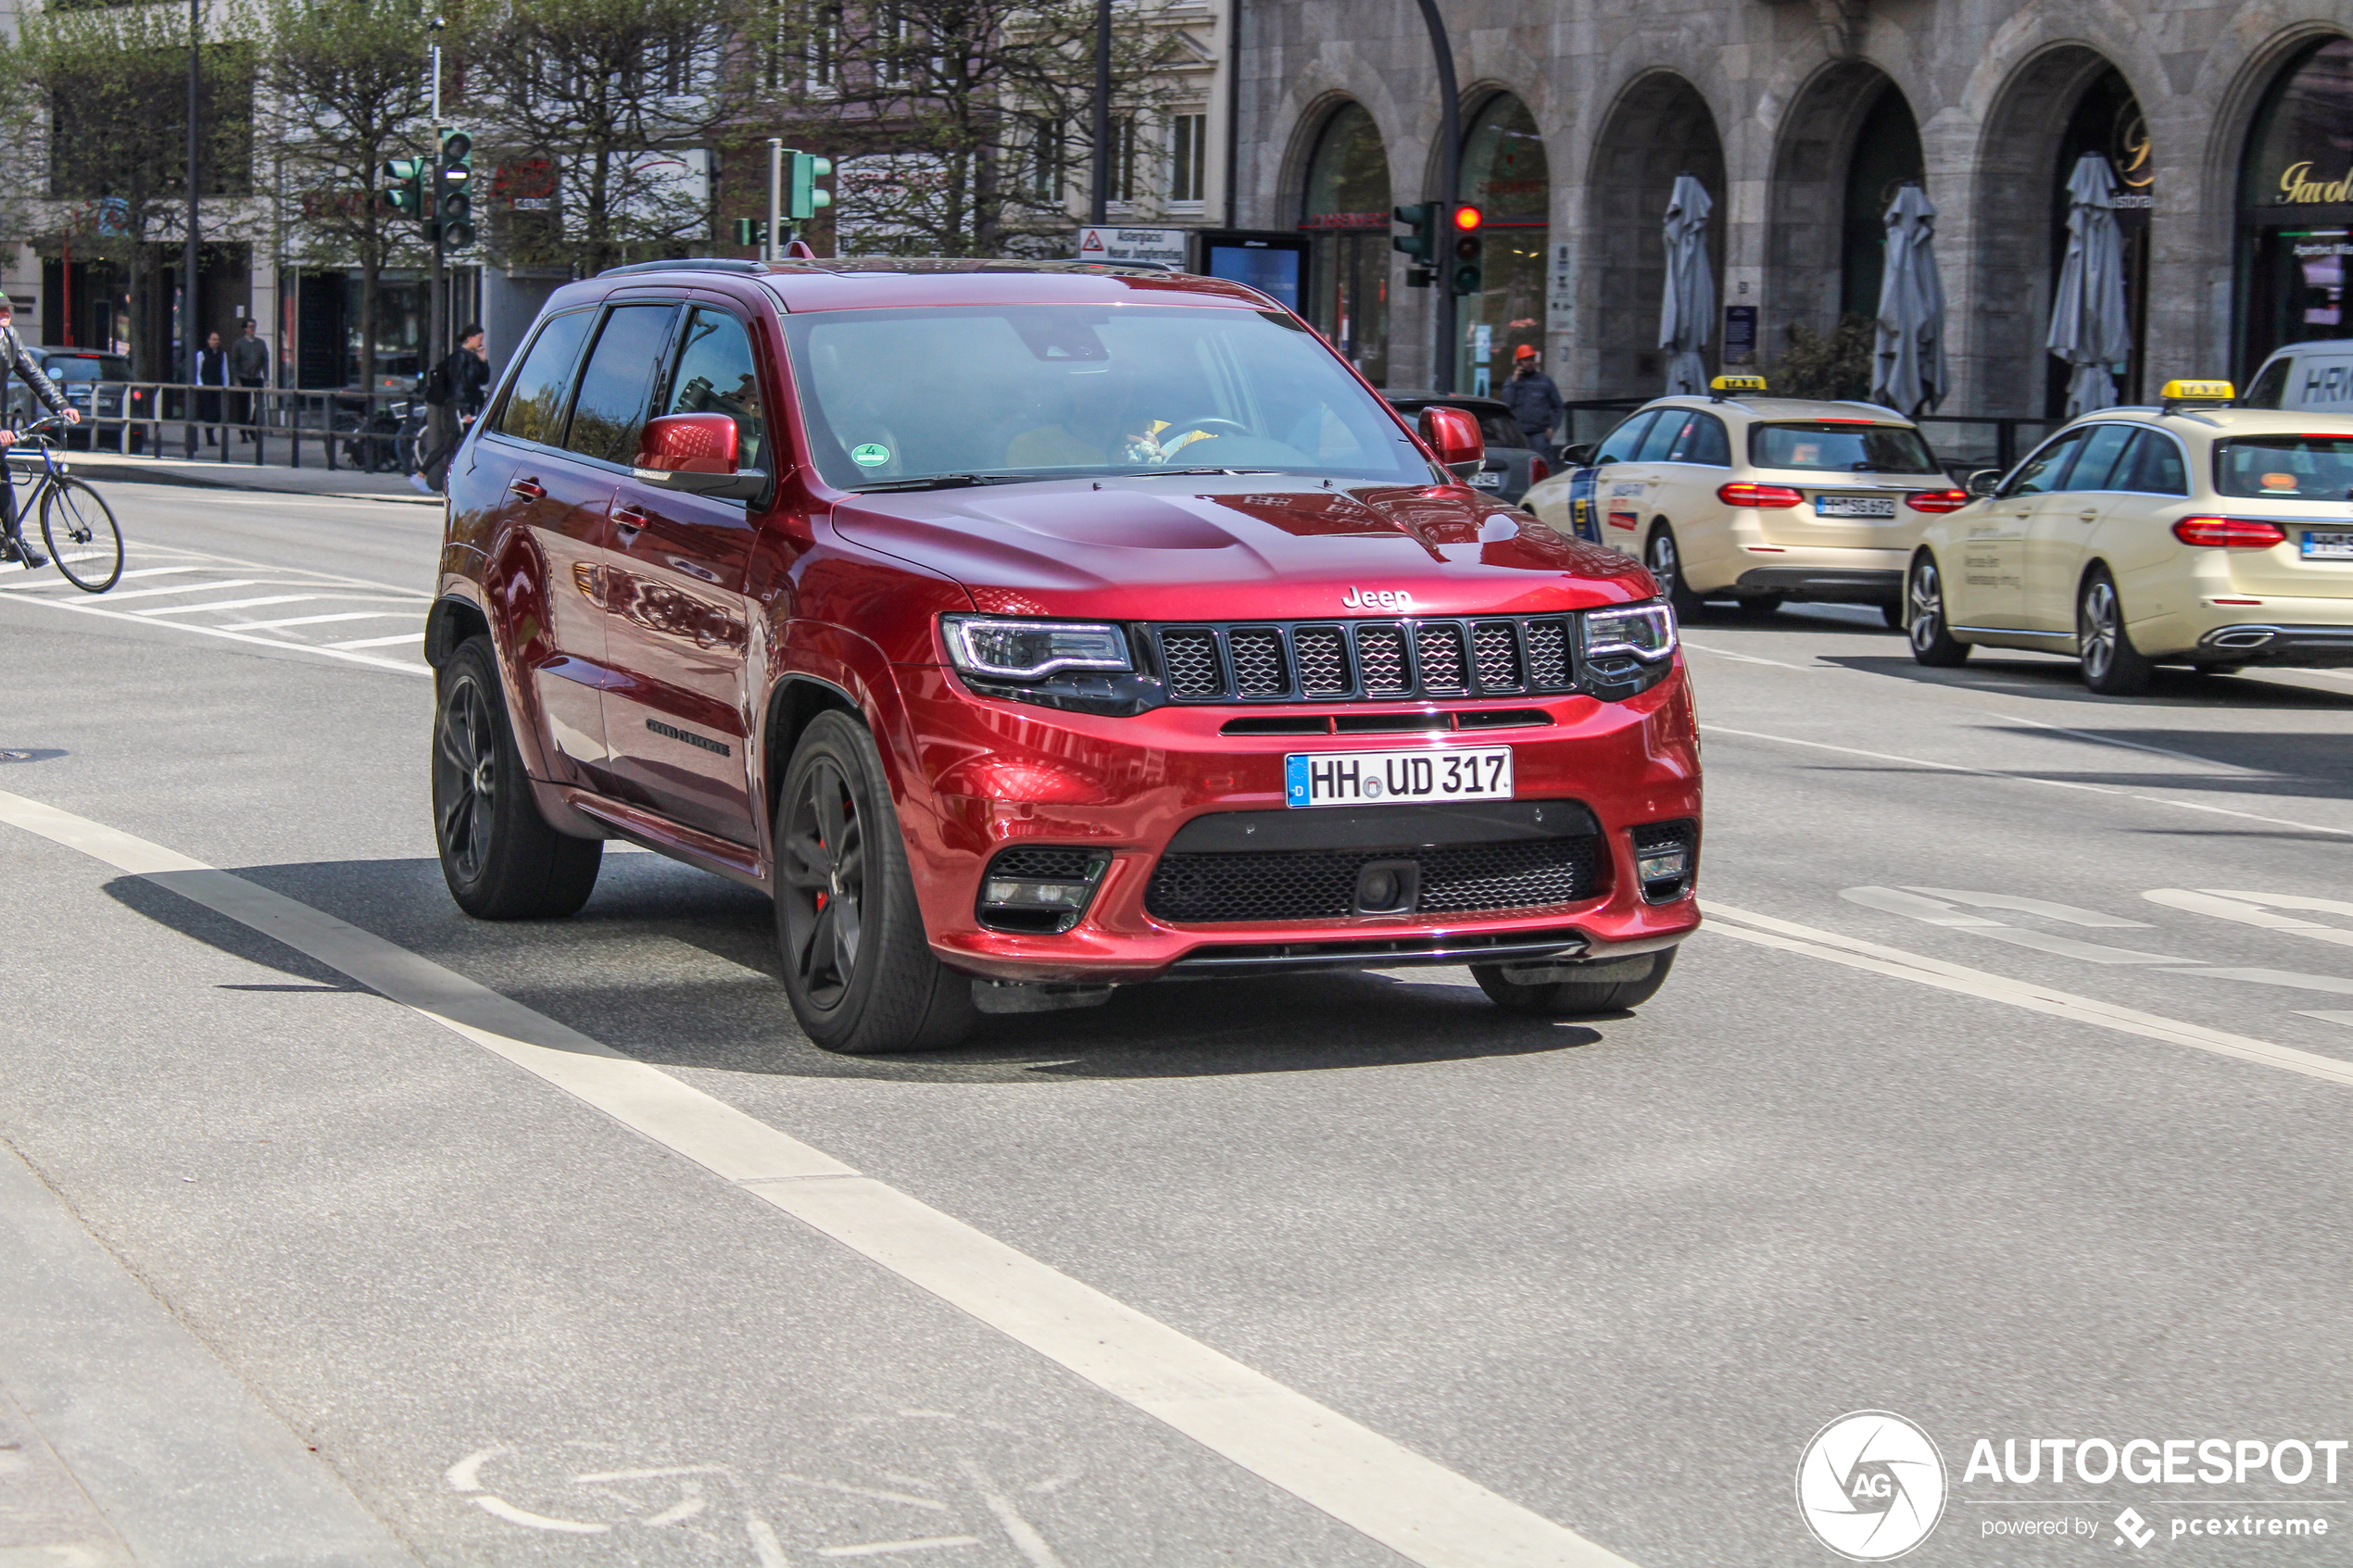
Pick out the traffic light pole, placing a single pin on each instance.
(1450, 172)
(774, 248)
(437, 313)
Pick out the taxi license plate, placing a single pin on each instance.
(1485, 480)
(1854, 506)
(2333, 544)
(1385, 777)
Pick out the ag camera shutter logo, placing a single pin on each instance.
(1871, 1485)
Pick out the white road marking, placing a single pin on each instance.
(906, 1498)
(2276, 977)
(2286, 902)
(1788, 936)
(321, 620)
(2098, 739)
(180, 588)
(1936, 912)
(879, 1549)
(417, 637)
(499, 1508)
(1747, 658)
(228, 603)
(348, 656)
(60, 583)
(2025, 778)
(1419, 1509)
(2043, 907)
(2247, 913)
(1020, 1531)
(2327, 1017)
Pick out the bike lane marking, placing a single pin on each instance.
(1415, 1506)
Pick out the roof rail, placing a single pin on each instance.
(689, 264)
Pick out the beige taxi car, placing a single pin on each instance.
(2193, 533)
(1757, 499)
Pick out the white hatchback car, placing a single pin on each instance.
(1757, 499)
(2195, 534)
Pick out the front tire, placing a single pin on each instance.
(79, 528)
(2112, 666)
(858, 966)
(1666, 561)
(1925, 627)
(1576, 999)
(499, 856)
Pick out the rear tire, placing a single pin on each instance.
(857, 965)
(1924, 627)
(499, 856)
(1892, 612)
(1759, 606)
(1666, 561)
(1574, 999)
(2112, 666)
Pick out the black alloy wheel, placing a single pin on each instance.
(499, 856)
(1932, 641)
(858, 965)
(2112, 666)
(1666, 562)
(1629, 984)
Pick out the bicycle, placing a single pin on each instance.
(76, 523)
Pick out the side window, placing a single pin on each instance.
(617, 380)
(2046, 470)
(2096, 467)
(1664, 436)
(715, 375)
(2269, 385)
(2155, 468)
(1626, 439)
(535, 404)
(1705, 441)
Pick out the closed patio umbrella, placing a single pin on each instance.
(1908, 370)
(1688, 311)
(2089, 328)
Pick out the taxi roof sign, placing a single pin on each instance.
(2196, 392)
(1722, 385)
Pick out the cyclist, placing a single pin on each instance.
(15, 361)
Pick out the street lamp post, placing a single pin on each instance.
(188, 247)
(1099, 208)
(1450, 174)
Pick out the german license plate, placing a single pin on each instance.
(1384, 778)
(1486, 479)
(1854, 506)
(2335, 544)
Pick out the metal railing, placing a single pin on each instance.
(368, 431)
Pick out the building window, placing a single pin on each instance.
(1123, 160)
(1046, 167)
(1189, 158)
(1347, 209)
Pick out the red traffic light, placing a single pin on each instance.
(1467, 219)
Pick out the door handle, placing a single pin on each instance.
(2088, 514)
(629, 519)
(529, 489)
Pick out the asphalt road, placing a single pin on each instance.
(2007, 1091)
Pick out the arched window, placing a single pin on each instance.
(1887, 154)
(2296, 207)
(1348, 209)
(1505, 176)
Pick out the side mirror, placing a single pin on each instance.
(1453, 434)
(1983, 483)
(1579, 455)
(697, 454)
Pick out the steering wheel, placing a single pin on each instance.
(1206, 426)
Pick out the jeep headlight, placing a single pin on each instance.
(1087, 666)
(1645, 631)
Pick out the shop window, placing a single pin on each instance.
(2296, 207)
(1506, 177)
(1348, 209)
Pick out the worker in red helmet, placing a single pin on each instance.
(1535, 401)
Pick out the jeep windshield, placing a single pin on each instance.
(1001, 393)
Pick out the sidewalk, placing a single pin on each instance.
(248, 475)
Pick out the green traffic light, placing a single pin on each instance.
(1422, 243)
(802, 198)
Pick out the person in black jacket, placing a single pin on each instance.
(455, 391)
(16, 362)
(212, 369)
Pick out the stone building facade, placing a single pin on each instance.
(2228, 123)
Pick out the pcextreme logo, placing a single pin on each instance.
(1871, 1485)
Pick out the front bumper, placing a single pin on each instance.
(1004, 775)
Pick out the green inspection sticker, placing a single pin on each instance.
(870, 456)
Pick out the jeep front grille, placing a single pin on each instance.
(1367, 660)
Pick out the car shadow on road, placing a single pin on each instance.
(679, 969)
(2062, 680)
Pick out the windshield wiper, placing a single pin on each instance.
(1146, 474)
(930, 482)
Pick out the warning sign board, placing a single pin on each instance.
(1105, 243)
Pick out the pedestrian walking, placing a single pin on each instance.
(248, 367)
(454, 391)
(1535, 402)
(212, 370)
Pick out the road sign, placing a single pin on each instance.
(1105, 243)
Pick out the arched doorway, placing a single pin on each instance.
(1659, 128)
(2108, 120)
(1886, 156)
(1347, 208)
(2296, 207)
(1505, 176)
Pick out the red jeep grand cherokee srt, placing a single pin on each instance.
(1029, 629)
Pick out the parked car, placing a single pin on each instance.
(94, 381)
(1756, 499)
(2192, 533)
(1027, 629)
(1511, 464)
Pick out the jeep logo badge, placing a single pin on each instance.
(1366, 598)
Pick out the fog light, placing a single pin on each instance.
(1040, 890)
(1665, 856)
(1014, 895)
(1659, 865)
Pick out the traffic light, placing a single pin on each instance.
(802, 198)
(457, 213)
(404, 186)
(1469, 274)
(1421, 245)
(751, 230)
